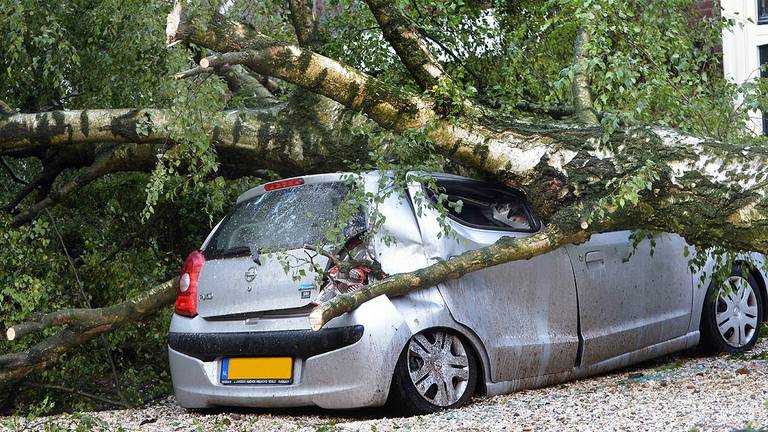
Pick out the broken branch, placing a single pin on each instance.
(504, 250)
(80, 326)
(79, 393)
(354, 89)
(48, 175)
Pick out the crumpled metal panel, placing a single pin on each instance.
(406, 253)
(524, 312)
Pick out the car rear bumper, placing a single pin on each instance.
(294, 343)
(347, 365)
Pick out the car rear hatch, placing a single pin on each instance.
(256, 260)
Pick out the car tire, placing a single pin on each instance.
(731, 323)
(431, 361)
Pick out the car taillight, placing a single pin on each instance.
(283, 184)
(186, 292)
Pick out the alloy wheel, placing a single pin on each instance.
(736, 312)
(438, 366)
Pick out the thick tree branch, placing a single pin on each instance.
(582, 95)
(300, 136)
(246, 85)
(62, 128)
(290, 138)
(408, 43)
(350, 87)
(504, 250)
(304, 22)
(81, 325)
(126, 158)
(468, 143)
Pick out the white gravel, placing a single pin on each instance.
(687, 392)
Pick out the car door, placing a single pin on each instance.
(524, 312)
(630, 297)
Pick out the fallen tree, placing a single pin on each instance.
(580, 177)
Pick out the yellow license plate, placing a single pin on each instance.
(257, 370)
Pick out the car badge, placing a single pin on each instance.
(305, 290)
(250, 274)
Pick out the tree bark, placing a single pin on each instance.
(304, 22)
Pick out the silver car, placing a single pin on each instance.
(241, 336)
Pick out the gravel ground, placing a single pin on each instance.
(687, 392)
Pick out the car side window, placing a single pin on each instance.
(483, 205)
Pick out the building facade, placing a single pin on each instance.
(745, 47)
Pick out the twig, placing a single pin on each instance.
(87, 304)
(349, 261)
(335, 259)
(13, 175)
(79, 393)
(423, 31)
(193, 72)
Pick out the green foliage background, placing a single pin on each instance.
(653, 61)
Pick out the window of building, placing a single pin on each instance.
(763, 50)
(762, 11)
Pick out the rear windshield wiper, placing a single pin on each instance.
(233, 252)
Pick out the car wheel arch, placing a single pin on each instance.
(472, 341)
(759, 278)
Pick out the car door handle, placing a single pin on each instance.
(594, 257)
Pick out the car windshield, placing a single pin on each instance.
(283, 219)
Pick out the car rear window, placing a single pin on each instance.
(283, 219)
